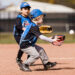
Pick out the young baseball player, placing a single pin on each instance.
(22, 21)
(29, 38)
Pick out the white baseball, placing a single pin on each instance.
(71, 32)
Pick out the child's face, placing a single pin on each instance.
(40, 19)
(25, 11)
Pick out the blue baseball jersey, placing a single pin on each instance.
(29, 36)
(21, 22)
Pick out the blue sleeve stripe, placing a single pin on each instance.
(25, 33)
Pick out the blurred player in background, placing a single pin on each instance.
(22, 21)
(29, 38)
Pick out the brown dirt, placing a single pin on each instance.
(63, 55)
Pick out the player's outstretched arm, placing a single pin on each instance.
(42, 37)
(53, 41)
(36, 32)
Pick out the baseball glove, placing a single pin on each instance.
(45, 29)
(59, 40)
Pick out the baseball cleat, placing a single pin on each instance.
(26, 68)
(49, 65)
(19, 62)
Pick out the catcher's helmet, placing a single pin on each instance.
(24, 4)
(36, 12)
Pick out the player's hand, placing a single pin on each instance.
(23, 29)
(58, 40)
(57, 43)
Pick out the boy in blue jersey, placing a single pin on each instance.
(22, 21)
(29, 38)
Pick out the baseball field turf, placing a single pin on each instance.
(7, 38)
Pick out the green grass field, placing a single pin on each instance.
(7, 38)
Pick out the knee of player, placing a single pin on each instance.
(37, 56)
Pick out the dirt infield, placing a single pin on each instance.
(63, 55)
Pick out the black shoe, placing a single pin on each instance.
(26, 68)
(49, 65)
(19, 62)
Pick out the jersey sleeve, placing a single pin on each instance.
(18, 23)
(35, 30)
